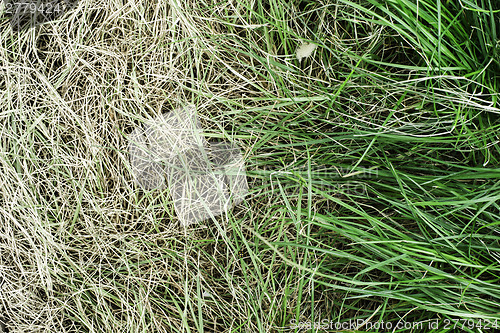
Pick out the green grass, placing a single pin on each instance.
(373, 167)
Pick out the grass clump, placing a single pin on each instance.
(373, 167)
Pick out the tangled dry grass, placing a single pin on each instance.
(82, 248)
